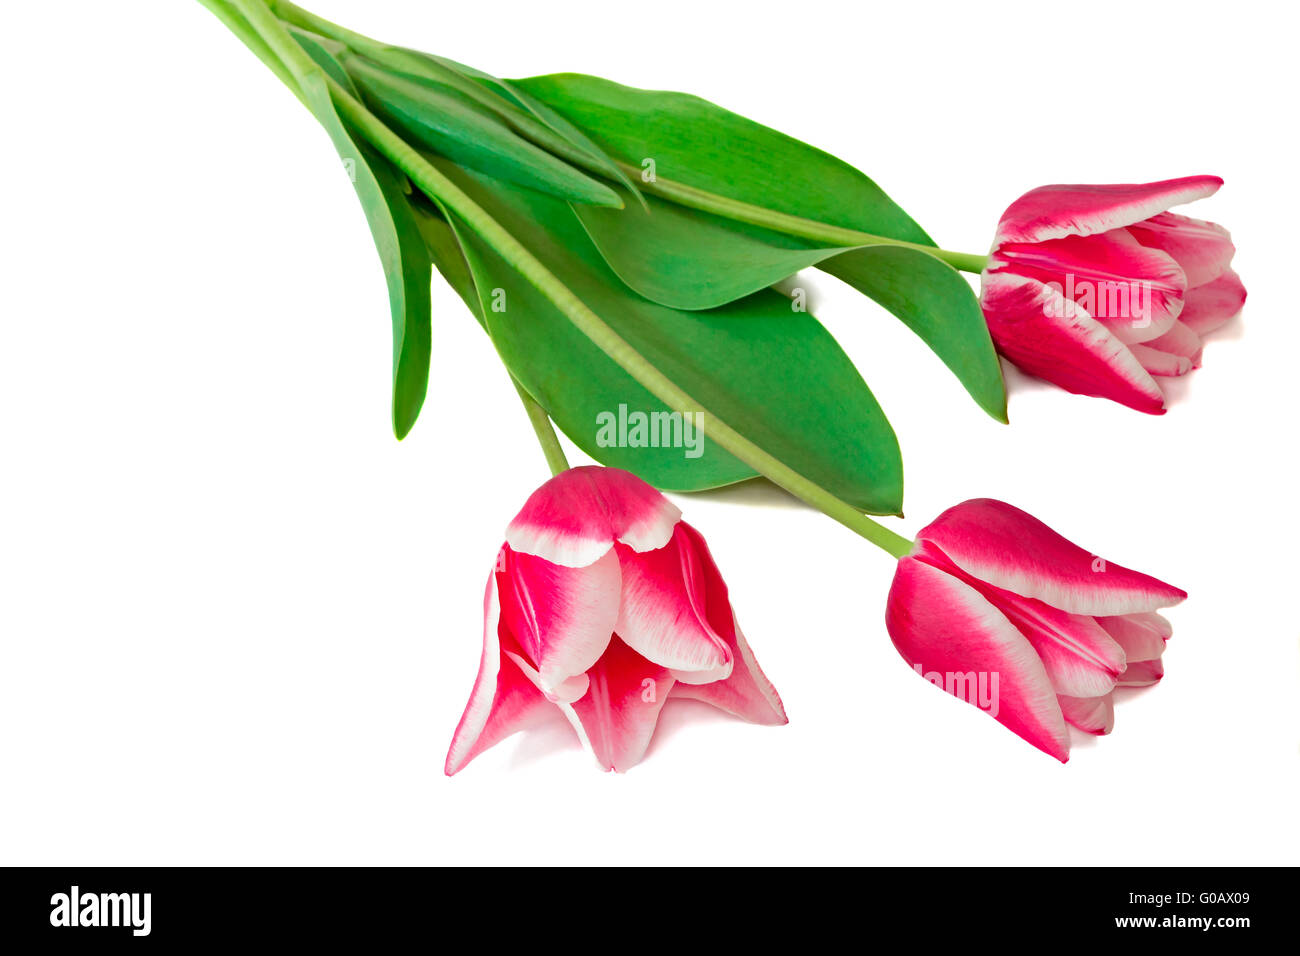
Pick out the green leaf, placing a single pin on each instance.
(447, 255)
(531, 118)
(935, 301)
(325, 53)
(687, 259)
(452, 124)
(382, 190)
(773, 374)
(704, 146)
(690, 259)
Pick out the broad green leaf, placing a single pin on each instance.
(696, 143)
(407, 270)
(451, 124)
(773, 374)
(935, 301)
(688, 259)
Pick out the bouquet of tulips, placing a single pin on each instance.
(628, 253)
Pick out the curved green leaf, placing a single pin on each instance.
(699, 144)
(382, 190)
(773, 374)
(935, 301)
(687, 258)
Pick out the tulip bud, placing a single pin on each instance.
(605, 604)
(1100, 288)
(1002, 611)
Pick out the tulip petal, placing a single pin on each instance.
(1161, 363)
(562, 617)
(1142, 674)
(503, 701)
(1156, 621)
(1214, 304)
(619, 712)
(1134, 291)
(661, 615)
(1179, 340)
(1081, 658)
(1051, 212)
(1010, 549)
(951, 634)
(1141, 639)
(1202, 248)
(1094, 715)
(576, 517)
(747, 693)
(1048, 335)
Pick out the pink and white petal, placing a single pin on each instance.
(503, 700)
(1011, 549)
(1081, 658)
(1045, 334)
(1136, 292)
(1202, 248)
(562, 617)
(1051, 212)
(1141, 639)
(942, 626)
(1179, 340)
(576, 517)
(1093, 715)
(1161, 363)
(1214, 304)
(662, 612)
(1156, 621)
(1142, 674)
(747, 693)
(620, 710)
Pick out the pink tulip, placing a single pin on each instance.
(605, 604)
(1099, 289)
(1002, 611)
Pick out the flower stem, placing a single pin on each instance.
(706, 201)
(455, 201)
(546, 437)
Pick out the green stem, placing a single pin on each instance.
(442, 190)
(240, 27)
(706, 201)
(310, 21)
(546, 437)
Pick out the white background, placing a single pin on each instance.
(240, 621)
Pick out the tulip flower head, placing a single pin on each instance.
(1002, 611)
(605, 604)
(1101, 290)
